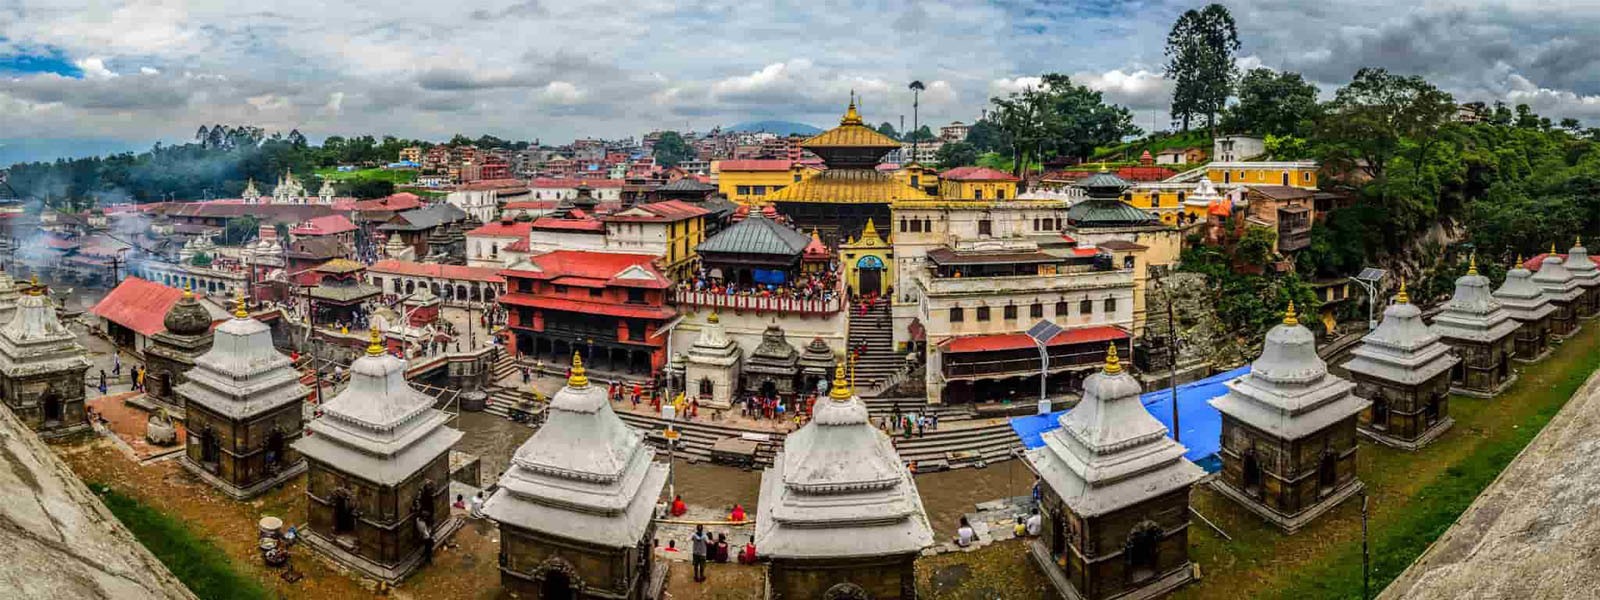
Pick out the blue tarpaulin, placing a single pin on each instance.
(769, 276)
(1202, 424)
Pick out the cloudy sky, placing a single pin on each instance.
(88, 74)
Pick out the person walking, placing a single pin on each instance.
(700, 542)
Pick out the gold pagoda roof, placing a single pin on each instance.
(852, 132)
(849, 186)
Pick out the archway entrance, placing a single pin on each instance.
(1252, 474)
(344, 515)
(1143, 546)
(869, 275)
(769, 389)
(557, 586)
(54, 409)
(1328, 473)
(210, 449)
(274, 451)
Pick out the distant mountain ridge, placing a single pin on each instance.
(776, 127)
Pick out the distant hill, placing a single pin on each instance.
(777, 127)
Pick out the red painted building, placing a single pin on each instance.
(608, 307)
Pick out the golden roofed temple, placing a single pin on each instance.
(839, 200)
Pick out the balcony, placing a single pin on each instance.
(1061, 359)
(1080, 280)
(758, 304)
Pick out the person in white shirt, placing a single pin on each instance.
(1035, 522)
(965, 535)
(477, 506)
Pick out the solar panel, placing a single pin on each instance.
(1043, 331)
(1372, 274)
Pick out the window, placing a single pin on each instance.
(903, 227)
(635, 296)
(927, 225)
(1036, 311)
(1062, 309)
(1086, 307)
(743, 190)
(1285, 178)
(1306, 176)
(797, 178)
(983, 314)
(1227, 177)
(1111, 305)
(525, 317)
(561, 289)
(1036, 224)
(916, 181)
(1127, 262)
(957, 315)
(977, 194)
(525, 286)
(759, 190)
(999, 194)
(596, 292)
(916, 226)
(985, 227)
(1010, 312)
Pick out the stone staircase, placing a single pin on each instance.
(697, 437)
(876, 367)
(504, 366)
(879, 407)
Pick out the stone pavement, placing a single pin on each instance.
(1535, 531)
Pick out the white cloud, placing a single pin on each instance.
(149, 71)
(1138, 89)
(94, 67)
(562, 93)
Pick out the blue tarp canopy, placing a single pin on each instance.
(768, 276)
(1202, 424)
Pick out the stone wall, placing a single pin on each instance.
(384, 532)
(525, 555)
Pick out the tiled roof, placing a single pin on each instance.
(316, 248)
(687, 184)
(436, 271)
(762, 164)
(533, 205)
(138, 304)
(1145, 173)
(517, 229)
(668, 211)
(427, 217)
(851, 136)
(1537, 261)
(392, 202)
(593, 269)
(976, 174)
(517, 246)
(339, 265)
(1018, 341)
(610, 309)
(848, 186)
(757, 235)
(553, 223)
(329, 225)
(1281, 192)
(1107, 213)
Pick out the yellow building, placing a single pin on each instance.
(412, 154)
(919, 177)
(1301, 174)
(644, 227)
(1165, 200)
(839, 200)
(868, 262)
(749, 181)
(977, 183)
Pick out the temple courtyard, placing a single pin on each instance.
(1413, 497)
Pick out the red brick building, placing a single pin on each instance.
(608, 307)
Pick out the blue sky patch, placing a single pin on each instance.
(47, 61)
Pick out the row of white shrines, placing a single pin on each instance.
(838, 517)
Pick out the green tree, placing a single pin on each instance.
(1200, 62)
(888, 129)
(1526, 119)
(670, 149)
(1273, 103)
(1501, 115)
(1571, 125)
(985, 136)
(1058, 118)
(240, 230)
(956, 154)
(923, 134)
(367, 189)
(1368, 121)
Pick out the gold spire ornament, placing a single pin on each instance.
(841, 388)
(238, 306)
(851, 117)
(188, 291)
(1472, 263)
(713, 318)
(1403, 297)
(1113, 364)
(375, 342)
(34, 288)
(1289, 317)
(578, 378)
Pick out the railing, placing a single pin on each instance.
(755, 303)
(1025, 366)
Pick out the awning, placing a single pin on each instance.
(1017, 341)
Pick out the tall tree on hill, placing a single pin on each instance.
(671, 149)
(1200, 54)
(956, 154)
(888, 129)
(1059, 118)
(1273, 103)
(1377, 115)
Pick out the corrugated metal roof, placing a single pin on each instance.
(757, 235)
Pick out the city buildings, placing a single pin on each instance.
(610, 307)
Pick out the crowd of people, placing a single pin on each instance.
(822, 285)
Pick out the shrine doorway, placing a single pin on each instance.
(706, 388)
(344, 514)
(274, 450)
(1327, 473)
(210, 449)
(54, 409)
(1143, 549)
(1380, 413)
(1251, 477)
(769, 389)
(557, 586)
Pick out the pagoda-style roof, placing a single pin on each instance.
(1289, 393)
(839, 490)
(1583, 268)
(817, 358)
(774, 355)
(35, 342)
(852, 132)
(1108, 212)
(343, 292)
(713, 346)
(1110, 453)
(848, 186)
(8, 297)
(816, 250)
(379, 428)
(1472, 314)
(584, 476)
(1103, 184)
(757, 234)
(243, 375)
(1555, 280)
(1521, 298)
(1402, 350)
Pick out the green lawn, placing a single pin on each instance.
(397, 176)
(1415, 497)
(197, 562)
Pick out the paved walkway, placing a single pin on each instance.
(1535, 532)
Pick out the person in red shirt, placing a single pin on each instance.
(678, 507)
(738, 514)
(747, 556)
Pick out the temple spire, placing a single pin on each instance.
(375, 345)
(851, 117)
(1472, 264)
(33, 283)
(1113, 364)
(238, 306)
(188, 291)
(579, 377)
(1403, 297)
(841, 387)
(1289, 316)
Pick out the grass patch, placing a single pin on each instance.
(1415, 497)
(395, 176)
(197, 562)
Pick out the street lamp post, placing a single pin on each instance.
(1041, 333)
